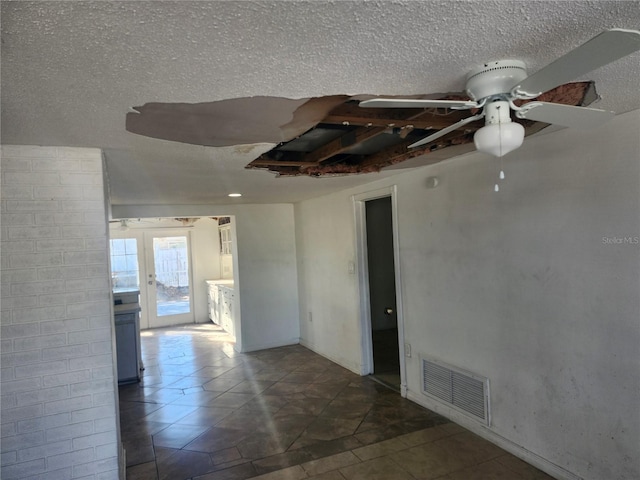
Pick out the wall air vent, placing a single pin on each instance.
(464, 391)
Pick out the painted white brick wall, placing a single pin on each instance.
(58, 386)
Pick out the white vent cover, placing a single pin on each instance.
(464, 391)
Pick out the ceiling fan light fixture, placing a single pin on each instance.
(500, 135)
(495, 86)
(499, 139)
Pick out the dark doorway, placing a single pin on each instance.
(382, 291)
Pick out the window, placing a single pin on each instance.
(124, 263)
(225, 239)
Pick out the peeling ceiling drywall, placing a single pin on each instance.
(72, 70)
(326, 135)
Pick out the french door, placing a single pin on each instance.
(168, 278)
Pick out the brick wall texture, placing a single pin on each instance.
(58, 404)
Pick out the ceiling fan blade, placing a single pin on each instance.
(417, 103)
(444, 131)
(564, 115)
(602, 49)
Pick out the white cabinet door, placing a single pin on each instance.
(213, 297)
(226, 309)
(126, 350)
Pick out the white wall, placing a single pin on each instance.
(264, 267)
(325, 243)
(59, 412)
(266, 277)
(205, 257)
(524, 286)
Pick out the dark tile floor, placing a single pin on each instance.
(205, 412)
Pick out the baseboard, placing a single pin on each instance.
(483, 431)
(265, 346)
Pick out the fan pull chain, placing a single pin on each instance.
(500, 133)
(496, 187)
(502, 176)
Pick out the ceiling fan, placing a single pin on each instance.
(494, 87)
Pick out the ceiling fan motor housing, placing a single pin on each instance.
(494, 78)
(497, 112)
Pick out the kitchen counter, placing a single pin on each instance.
(126, 308)
(126, 316)
(221, 300)
(125, 295)
(224, 282)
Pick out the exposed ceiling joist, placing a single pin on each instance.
(340, 145)
(350, 139)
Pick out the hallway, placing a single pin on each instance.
(205, 412)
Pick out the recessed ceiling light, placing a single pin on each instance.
(235, 194)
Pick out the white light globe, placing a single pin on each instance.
(498, 139)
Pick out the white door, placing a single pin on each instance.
(168, 278)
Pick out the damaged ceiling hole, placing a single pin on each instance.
(328, 135)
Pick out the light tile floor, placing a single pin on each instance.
(205, 412)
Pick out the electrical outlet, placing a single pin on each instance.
(310, 316)
(407, 350)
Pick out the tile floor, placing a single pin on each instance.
(205, 412)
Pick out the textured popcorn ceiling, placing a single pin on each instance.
(71, 70)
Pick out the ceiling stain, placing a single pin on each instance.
(246, 149)
(328, 135)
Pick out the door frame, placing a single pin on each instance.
(366, 344)
(149, 266)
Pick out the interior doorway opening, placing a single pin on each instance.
(381, 308)
(382, 292)
(169, 261)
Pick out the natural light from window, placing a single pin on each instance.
(124, 264)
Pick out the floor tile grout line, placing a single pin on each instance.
(246, 367)
(401, 467)
(388, 454)
(506, 454)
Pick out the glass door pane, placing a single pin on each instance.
(171, 262)
(168, 282)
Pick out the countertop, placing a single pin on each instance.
(126, 308)
(222, 282)
(125, 290)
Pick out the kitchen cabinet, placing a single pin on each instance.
(127, 326)
(221, 301)
(213, 301)
(227, 298)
